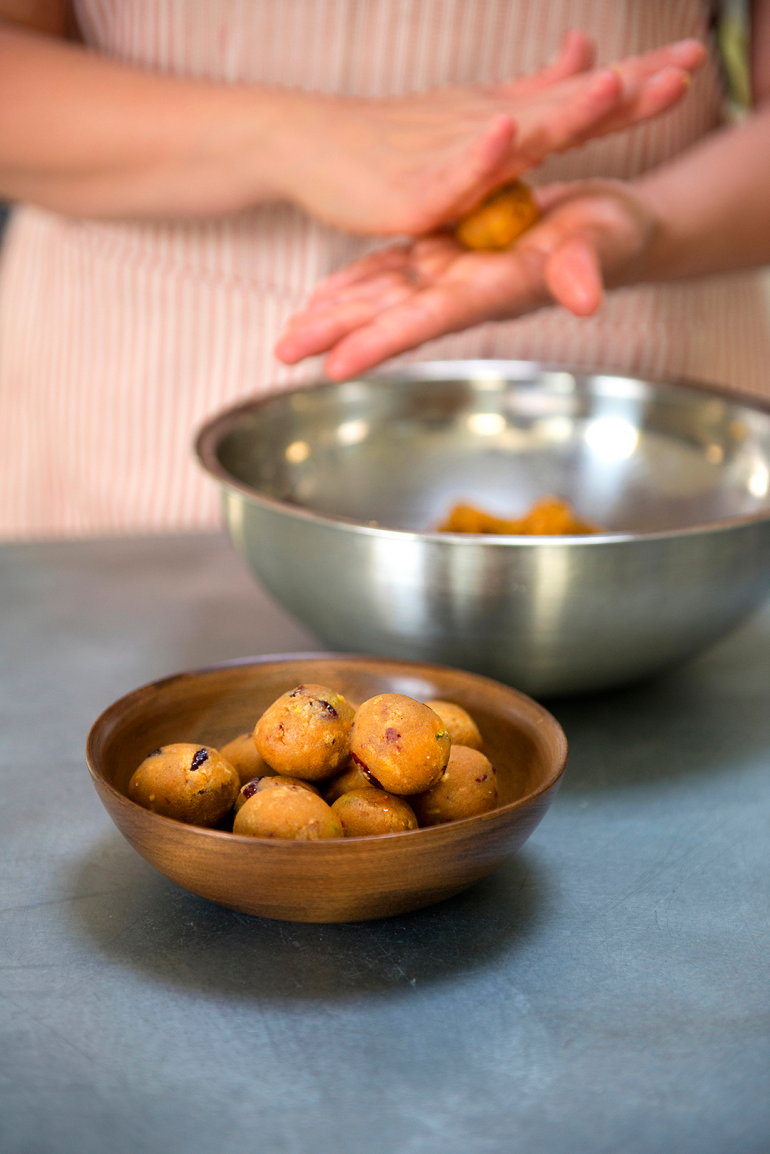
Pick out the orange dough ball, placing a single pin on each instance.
(462, 728)
(402, 743)
(243, 756)
(191, 783)
(467, 787)
(368, 812)
(500, 219)
(351, 778)
(291, 812)
(306, 733)
(276, 781)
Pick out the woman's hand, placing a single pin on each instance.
(86, 135)
(409, 164)
(592, 233)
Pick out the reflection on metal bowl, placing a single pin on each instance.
(332, 492)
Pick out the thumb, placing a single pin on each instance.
(574, 276)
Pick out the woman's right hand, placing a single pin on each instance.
(89, 136)
(409, 164)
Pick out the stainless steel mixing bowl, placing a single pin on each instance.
(332, 493)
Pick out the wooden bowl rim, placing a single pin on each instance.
(438, 832)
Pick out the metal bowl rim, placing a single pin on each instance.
(215, 428)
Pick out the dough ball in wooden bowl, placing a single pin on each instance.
(368, 812)
(306, 733)
(467, 787)
(244, 757)
(351, 778)
(191, 783)
(400, 742)
(463, 730)
(274, 781)
(291, 813)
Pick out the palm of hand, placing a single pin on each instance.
(406, 165)
(400, 297)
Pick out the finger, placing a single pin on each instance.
(577, 53)
(589, 105)
(471, 173)
(571, 121)
(384, 260)
(427, 257)
(388, 334)
(307, 335)
(688, 55)
(317, 330)
(320, 326)
(656, 95)
(573, 275)
(498, 284)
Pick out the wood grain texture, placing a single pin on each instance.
(326, 881)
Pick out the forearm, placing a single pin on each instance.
(88, 136)
(82, 134)
(712, 205)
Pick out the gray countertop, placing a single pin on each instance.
(606, 991)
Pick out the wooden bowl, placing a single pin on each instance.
(344, 880)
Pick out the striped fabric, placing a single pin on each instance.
(118, 340)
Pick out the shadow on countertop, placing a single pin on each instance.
(705, 717)
(139, 919)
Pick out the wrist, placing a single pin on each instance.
(662, 253)
(274, 132)
(242, 142)
(304, 131)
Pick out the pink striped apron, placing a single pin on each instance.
(118, 340)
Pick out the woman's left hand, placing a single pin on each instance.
(592, 234)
